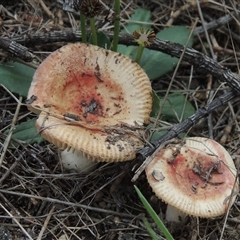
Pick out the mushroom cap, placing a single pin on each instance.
(91, 100)
(197, 177)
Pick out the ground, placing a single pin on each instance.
(40, 200)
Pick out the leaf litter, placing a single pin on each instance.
(39, 200)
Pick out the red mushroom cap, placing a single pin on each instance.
(197, 177)
(92, 100)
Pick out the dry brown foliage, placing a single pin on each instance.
(39, 200)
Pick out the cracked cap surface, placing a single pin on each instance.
(197, 177)
(85, 94)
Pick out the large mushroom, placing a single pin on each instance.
(197, 177)
(91, 100)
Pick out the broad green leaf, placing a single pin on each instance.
(26, 132)
(174, 107)
(153, 62)
(16, 77)
(140, 18)
(157, 64)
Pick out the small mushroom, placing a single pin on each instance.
(91, 100)
(198, 178)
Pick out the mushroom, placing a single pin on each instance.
(91, 100)
(196, 177)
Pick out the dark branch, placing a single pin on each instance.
(16, 49)
(186, 124)
(199, 60)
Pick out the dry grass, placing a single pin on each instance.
(41, 201)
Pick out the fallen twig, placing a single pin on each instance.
(186, 124)
(199, 60)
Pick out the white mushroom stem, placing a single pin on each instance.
(77, 162)
(173, 214)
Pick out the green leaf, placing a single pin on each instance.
(176, 107)
(26, 132)
(153, 62)
(16, 77)
(151, 232)
(156, 135)
(157, 64)
(154, 215)
(140, 18)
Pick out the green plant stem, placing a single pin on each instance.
(139, 53)
(83, 28)
(94, 31)
(116, 25)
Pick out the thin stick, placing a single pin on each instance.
(69, 204)
(174, 74)
(46, 9)
(16, 221)
(186, 124)
(44, 227)
(66, 227)
(8, 139)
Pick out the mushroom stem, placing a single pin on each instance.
(175, 215)
(77, 161)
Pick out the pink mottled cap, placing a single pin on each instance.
(196, 177)
(92, 100)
